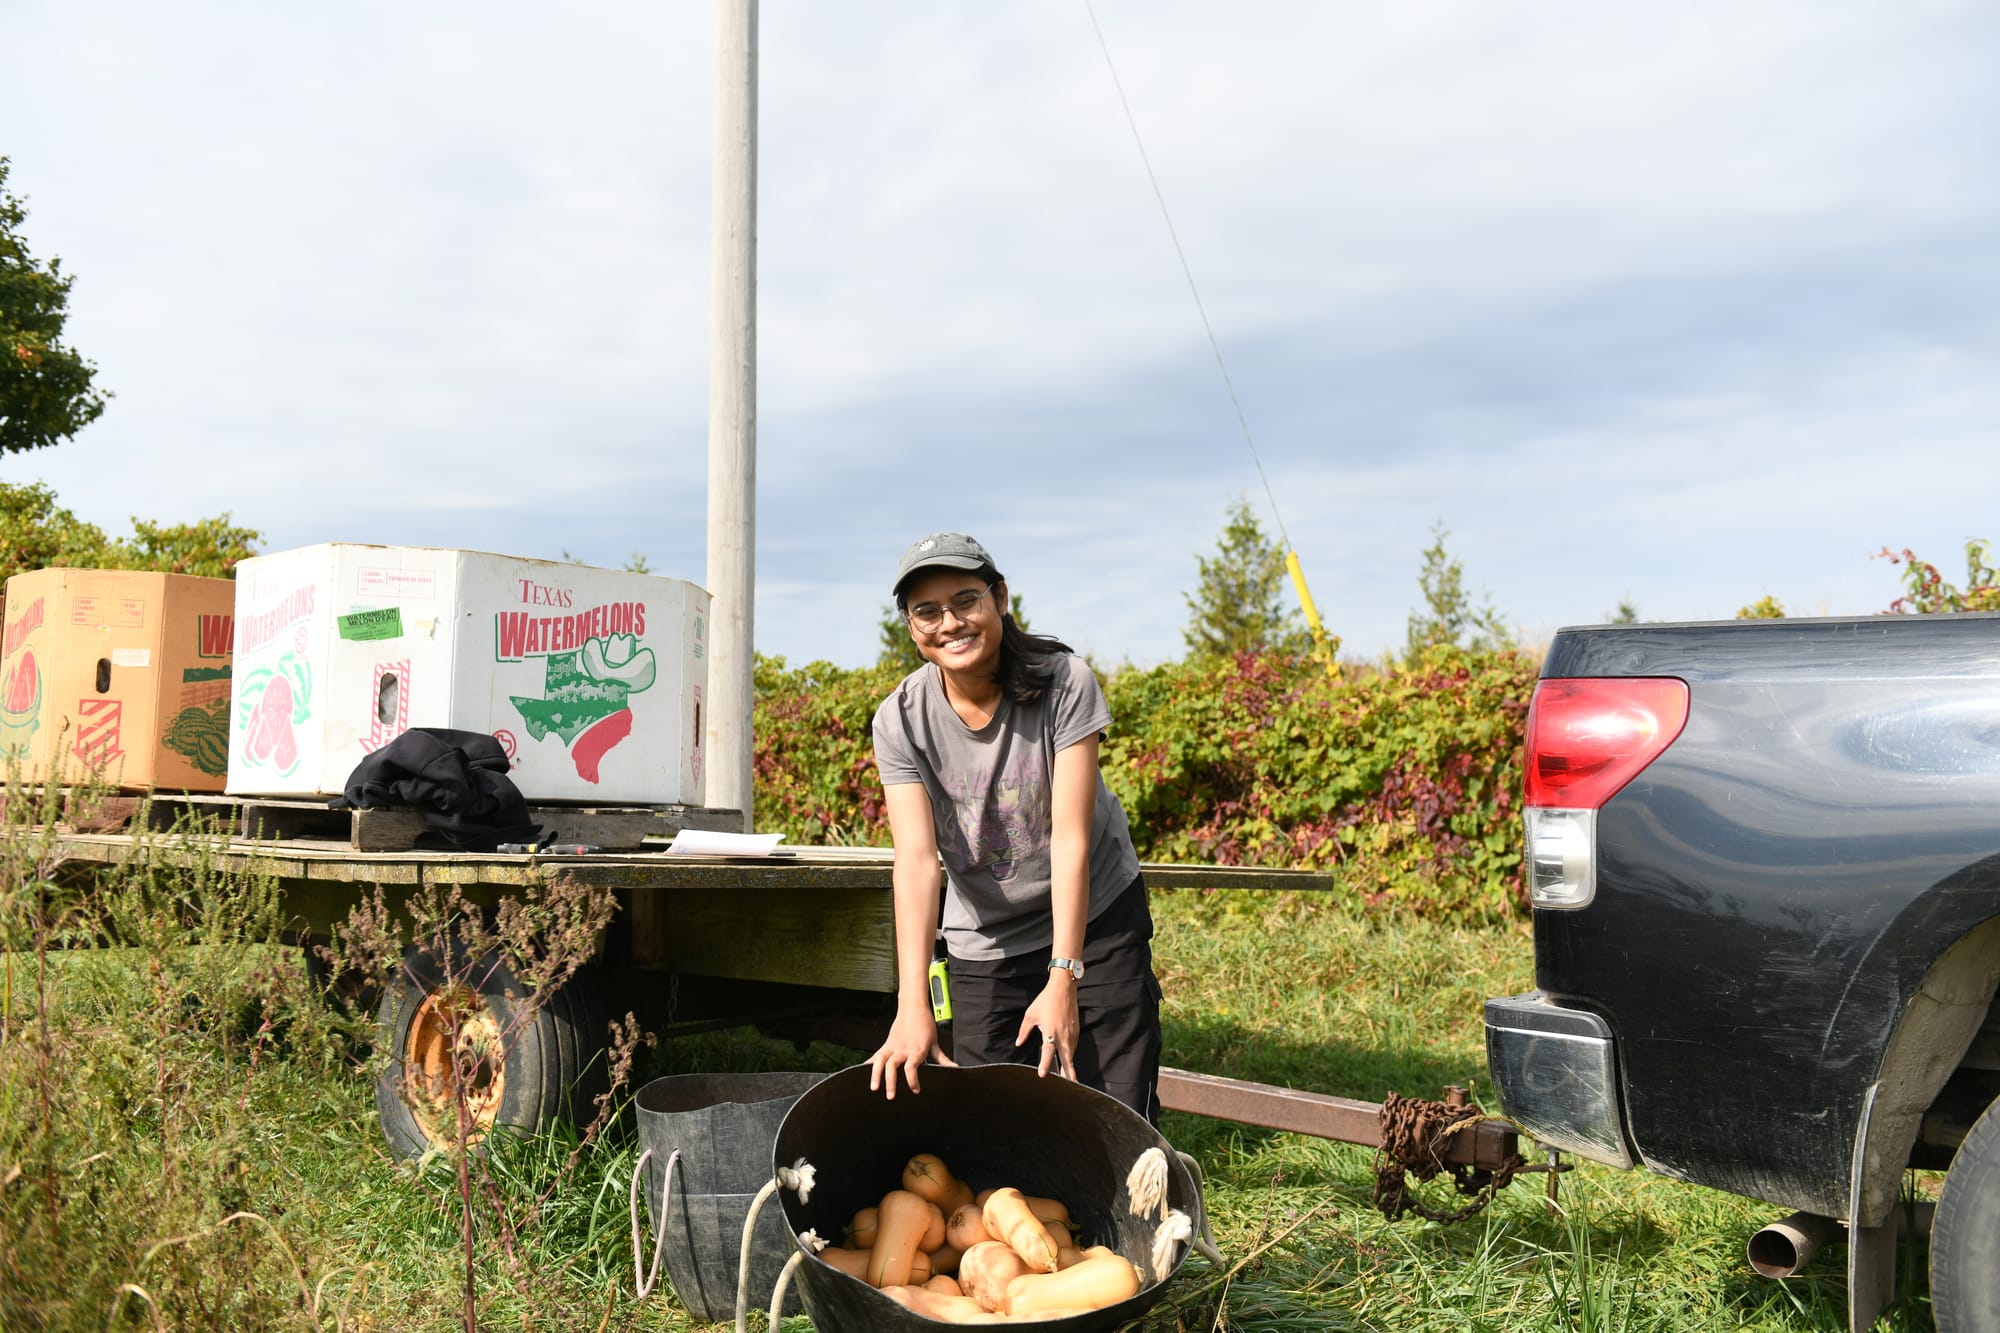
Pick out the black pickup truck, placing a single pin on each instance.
(1764, 860)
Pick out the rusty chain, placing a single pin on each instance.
(1414, 1135)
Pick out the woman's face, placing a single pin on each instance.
(955, 620)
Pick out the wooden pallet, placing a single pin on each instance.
(611, 828)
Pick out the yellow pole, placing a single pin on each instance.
(1327, 645)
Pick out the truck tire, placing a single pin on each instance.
(1965, 1236)
(532, 1066)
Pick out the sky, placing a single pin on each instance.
(1672, 305)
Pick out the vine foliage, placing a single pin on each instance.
(1405, 780)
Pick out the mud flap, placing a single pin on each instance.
(1871, 1251)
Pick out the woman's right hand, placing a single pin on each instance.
(912, 1041)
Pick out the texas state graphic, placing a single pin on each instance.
(583, 698)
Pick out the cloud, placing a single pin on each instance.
(1684, 305)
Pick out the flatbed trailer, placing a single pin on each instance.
(799, 943)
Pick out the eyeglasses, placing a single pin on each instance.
(928, 616)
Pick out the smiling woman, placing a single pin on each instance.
(988, 758)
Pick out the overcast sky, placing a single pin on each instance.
(1681, 304)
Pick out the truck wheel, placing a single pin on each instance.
(463, 1033)
(1965, 1236)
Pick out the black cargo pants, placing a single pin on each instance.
(1118, 1006)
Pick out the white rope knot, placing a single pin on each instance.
(1147, 1184)
(1177, 1228)
(798, 1178)
(810, 1239)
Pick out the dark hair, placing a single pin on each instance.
(1027, 661)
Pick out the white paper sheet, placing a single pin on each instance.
(702, 842)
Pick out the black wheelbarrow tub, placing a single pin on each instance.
(994, 1125)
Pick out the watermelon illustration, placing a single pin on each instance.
(20, 705)
(271, 735)
(202, 735)
(270, 705)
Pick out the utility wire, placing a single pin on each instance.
(1188, 273)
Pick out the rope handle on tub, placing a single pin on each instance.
(798, 1178)
(1204, 1241)
(643, 1278)
(784, 1279)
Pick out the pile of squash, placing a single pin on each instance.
(993, 1258)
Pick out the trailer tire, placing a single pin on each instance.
(1965, 1235)
(532, 1065)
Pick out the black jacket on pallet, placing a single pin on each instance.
(458, 779)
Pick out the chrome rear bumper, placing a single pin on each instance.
(1556, 1071)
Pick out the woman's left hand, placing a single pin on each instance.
(1052, 1020)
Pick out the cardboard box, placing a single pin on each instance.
(130, 670)
(592, 679)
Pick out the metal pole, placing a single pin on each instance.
(732, 410)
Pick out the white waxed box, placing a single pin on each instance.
(591, 679)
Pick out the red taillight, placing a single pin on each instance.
(1588, 737)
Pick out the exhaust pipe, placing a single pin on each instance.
(1784, 1247)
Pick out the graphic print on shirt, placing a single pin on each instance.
(994, 828)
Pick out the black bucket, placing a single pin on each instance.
(723, 1125)
(992, 1125)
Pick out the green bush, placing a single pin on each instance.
(1406, 781)
(814, 762)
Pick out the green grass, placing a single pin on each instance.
(172, 1119)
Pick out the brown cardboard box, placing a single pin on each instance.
(127, 671)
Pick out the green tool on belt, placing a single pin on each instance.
(940, 991)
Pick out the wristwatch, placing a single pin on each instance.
(1073, 966)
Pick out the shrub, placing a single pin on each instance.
(1405, 780)
(814, 762)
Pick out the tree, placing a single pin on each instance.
(1238, 604)
(1766, 607)
(1449, 616)
(209, 547)
(46, 390)
(1626, 614)
(36, 533)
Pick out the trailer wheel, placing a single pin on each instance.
(464, 1033)
(1965, 1235)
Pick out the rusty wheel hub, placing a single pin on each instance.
(454, 1053)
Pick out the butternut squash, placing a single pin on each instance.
(933, 1227)
(1049, 1210)
(904, 1220)
(939, 1306)
(966, 1228)
(944, 1259)
(1100, 1280)
(1008, 1218)
(927, 1177)
(944, 1285)
(854, 1263)
(861, 1231)
(985, 1270)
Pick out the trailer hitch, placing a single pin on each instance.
(1411, 1136)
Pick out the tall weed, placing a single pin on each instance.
(139, 1003)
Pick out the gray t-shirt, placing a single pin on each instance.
(990, 795)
